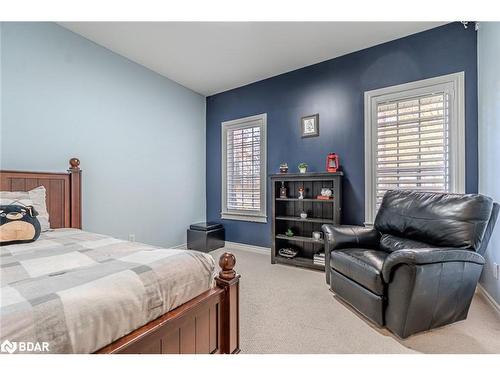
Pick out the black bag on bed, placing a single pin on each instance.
(18, 224)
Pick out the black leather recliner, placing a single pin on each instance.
(418, 267)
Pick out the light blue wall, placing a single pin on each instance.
(488, 54)
(140, 136)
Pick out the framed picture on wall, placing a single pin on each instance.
(309, 126)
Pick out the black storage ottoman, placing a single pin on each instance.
(206, 236)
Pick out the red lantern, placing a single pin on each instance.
(332, 162)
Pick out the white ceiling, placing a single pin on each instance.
(211, 57)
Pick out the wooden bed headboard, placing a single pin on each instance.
(64, 192)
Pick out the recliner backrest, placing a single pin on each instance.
(489, 228)
(445, 220)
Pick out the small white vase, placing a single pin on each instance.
(302, 170)
(303, 215)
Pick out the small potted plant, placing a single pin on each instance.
(302, 167)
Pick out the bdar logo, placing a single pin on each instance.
(9, 347)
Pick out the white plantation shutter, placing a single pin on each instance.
(243, 169)
(244, 176)
(413, 144)
(414, 139)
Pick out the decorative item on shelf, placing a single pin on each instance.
(301, 193)
(319, 258)
(323, 198)
(303, 215)
(309, 126)
(284, 168)
(326, 192)
(282, 190)
(332, 162)
(325, 195)
(302, 167)
(316, 236)
(288, 252)
(289, 233)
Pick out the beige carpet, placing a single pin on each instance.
(290, 310)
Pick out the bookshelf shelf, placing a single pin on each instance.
(305, 200)
(307, 220)
(298, 239)
(299, 262)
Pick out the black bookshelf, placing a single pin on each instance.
(286, 214)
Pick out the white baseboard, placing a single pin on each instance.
(181, 246)
(235, 245)
(246, 247)
(490, 299)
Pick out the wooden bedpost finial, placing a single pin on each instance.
(74, 164)
(227, 262)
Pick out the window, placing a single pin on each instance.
(414, 139)
(244, 169)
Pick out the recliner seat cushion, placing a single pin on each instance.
(445, 220)
(364, 266)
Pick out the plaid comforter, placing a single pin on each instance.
(80, 291)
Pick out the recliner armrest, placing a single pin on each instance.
(428, 256)
(345, 236)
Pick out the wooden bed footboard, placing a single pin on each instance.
(207, 324)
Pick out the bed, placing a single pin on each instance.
(89, 293)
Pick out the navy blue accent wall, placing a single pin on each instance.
(335, 89)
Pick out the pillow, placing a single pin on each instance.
(18, 224)
(37, 200)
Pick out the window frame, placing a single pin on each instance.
(454, 85)
(241, 123)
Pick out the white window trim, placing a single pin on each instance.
(261, 216)
(453, 83)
